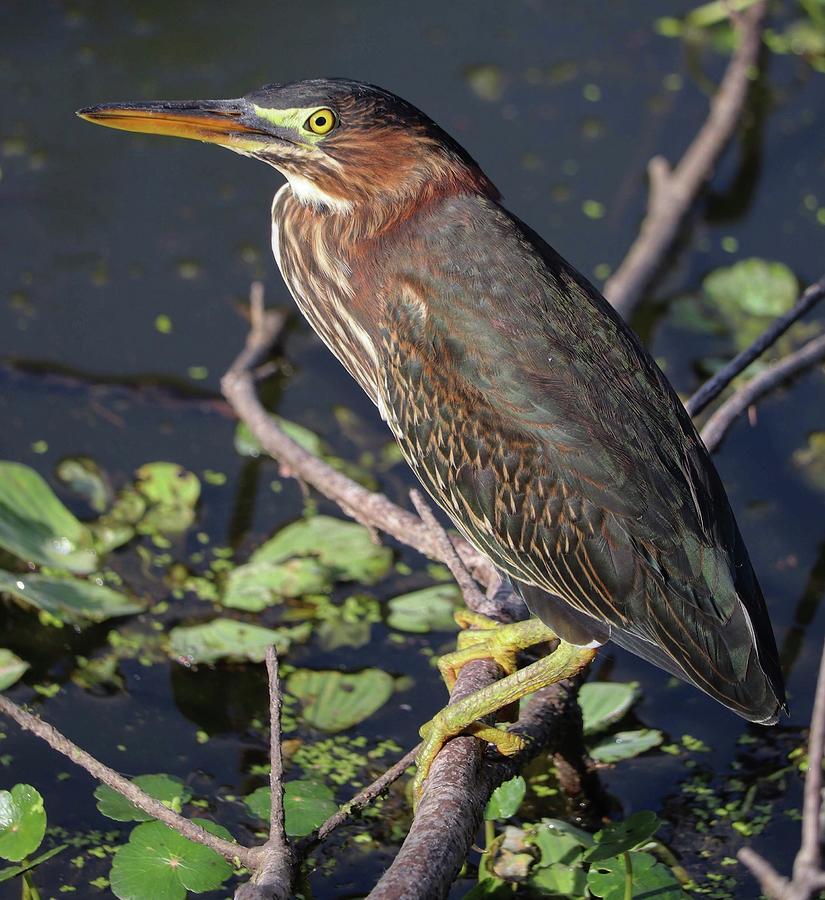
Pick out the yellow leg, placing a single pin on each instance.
(492, 641)
(565, 661)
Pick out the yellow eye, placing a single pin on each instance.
(322, 121)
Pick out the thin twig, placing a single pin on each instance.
(362, 799)
(123, 786)
(806, 356)
(808, 877)
(277, 830)
(275, 863)
(473, 597)
(714, 386)
(672, 194)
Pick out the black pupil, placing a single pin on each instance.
(321, 121)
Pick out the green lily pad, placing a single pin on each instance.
(229, 639)
(307, 805)
(169, 790)
(603, 703)
(346, 548)
(246, 444)
(506, 799)
(37, 527)
(559, 880)
(557, 847)
(159, 864)
(85, 478)
(430, 609)
(810, 460)
(69, 599)
(754, 286)
(256, 585)
(11, 668)
(22, 822)
(606, 879)
(172, 494)
(620, 837)
(558, 828)
(335, 701)
(626, 744)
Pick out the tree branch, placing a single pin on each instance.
(718, 424)
(275, 863)
(672, 194)
(714, 386)
(808, 877)
(123, 786)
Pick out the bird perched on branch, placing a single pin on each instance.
(527, 408)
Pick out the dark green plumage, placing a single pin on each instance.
(552, 439)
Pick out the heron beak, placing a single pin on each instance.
(229, 123)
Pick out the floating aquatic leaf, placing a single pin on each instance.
(603, 703)
(557, 848)
(246, 444)
(558, 828)
(11, 668)
(346, 548)
(347, 624)
(37, 527)
(559, 880)
(506, 799)
(485, 81)
(172, 494)
(229, 639)
(606, 879)
(85, 478)
(810, 460)
(334, 701)
(754, 286)
(159, 864)
(430, 609)
(625, 745)
(22, 822)
(169, 790)
(620, 837)
(256, 585)
(307, 805)
(69, 599)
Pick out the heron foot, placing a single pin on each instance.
(463, 717)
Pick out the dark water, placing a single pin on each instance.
(103, 232)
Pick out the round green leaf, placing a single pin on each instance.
(430, 609)
(622, 836)
(606, 879)
(307, 805)
(229, 639)
(255, 586)
(603, 703)
(11, 668)
(69, 599)
(346, 548)
(506, 799)
(626, 744)
(334, 701)
(166, 788)
(37, 527)
(22, 822)
(159, 864)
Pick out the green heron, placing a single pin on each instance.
(527, 408)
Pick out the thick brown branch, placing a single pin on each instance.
(672, 194)
(714, 386)
(123, 786)
(806, 356)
